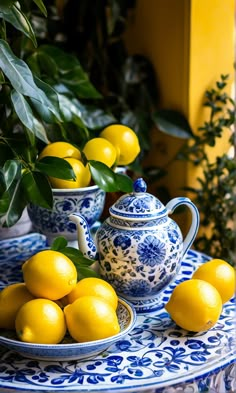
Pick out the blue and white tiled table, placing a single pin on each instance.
(156, 357)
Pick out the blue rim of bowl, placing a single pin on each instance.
(80, 189)
(77, 345)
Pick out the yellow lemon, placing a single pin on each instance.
(60, 149)
(12, 298)
(49, 274)
(91, 318)
(82, 173)
(93, 286)
(125, 141)
(195, 305)
(40, 321)
(220, 274)
(100, 149)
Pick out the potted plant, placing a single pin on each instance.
(214, 193)
(45, 95)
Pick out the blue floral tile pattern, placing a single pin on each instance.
(88, 201)
(155, 357)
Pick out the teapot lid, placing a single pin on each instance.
(138, 205)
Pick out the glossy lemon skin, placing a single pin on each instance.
(82, 174)
(49, 274)
(12, 298)
(100, 149)
(92, 286)
(125, 141)
(90, 318)
(40, 321)
(220, 274)
(60, 149)
(195, 305)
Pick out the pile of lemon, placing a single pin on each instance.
(117, 145)
(196, 304)
(51, 302)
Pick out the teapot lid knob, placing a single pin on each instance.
(138, 205)
(140, 185)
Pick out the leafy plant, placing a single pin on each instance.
(216, 194)
(94, 31)
(44, 95)
(82, 264)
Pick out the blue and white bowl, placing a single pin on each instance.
(88, 201)
(69, 349)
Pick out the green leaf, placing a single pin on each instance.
(77, 256)
(32, 62)
(93, 117)
(71, 113)
(37, 189)
(71, 72)
(4, 204)
(2, 183)
(81, 263)
(79, 83)
(65, 61)
(123, 182)
(6, 4)
(3, 31)
(17, 72)
(41, 6)
(107, 179)
(27, 117)
(16, 204)
(59, 243)
(18, 19)
(84, 272)
(22, 79)
(55, 167)
(2, 79)
(47, 64)
(12, 172)
(172, 123)
(51, 111)
(103, 176)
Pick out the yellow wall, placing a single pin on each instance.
(190, 44)
(211, 54)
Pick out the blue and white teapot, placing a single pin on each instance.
(139, 247)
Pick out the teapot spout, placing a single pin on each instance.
(85, 241)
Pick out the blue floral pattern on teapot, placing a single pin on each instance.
(139, 246)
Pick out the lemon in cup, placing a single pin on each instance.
(60, 149)
(82, 176)
(100, 149)
(125, 140)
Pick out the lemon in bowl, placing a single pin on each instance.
(68, 348)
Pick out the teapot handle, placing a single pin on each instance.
(192, 233)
